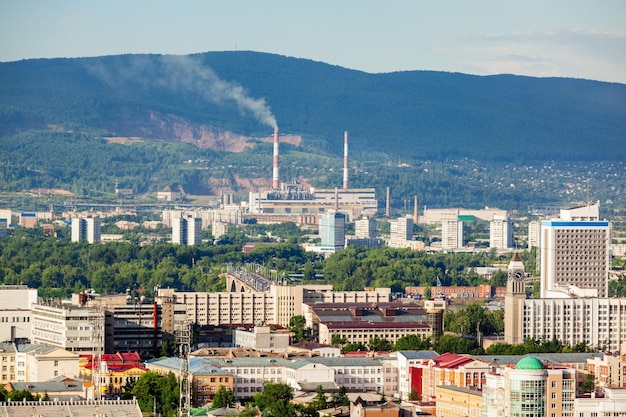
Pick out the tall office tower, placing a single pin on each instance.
(514, 302)
(575, 253)
(451, 234)
(333, 230)
(187, 231)
(87, 228)
(3, 227)
(365, 228)
(501, 233)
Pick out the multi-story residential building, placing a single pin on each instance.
(15, 317)
(575, 252)
(3, 228)
(219, 229)
(7, 363)
(451, 234)
(333, 230)
(64, 326)
(365, 228)
(534, 234)
(401, 230)
(363, 331)
(451, 369)
(611, 403)
(455, 401)
(253, 298)
(35, 362)
(86, 228)
(262, 338)
(187, 230)
(410, 365)
(359, 322)
(128, 324)
(501, 233)
(530, 389)
(598, 322)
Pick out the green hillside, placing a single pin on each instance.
(408, 115)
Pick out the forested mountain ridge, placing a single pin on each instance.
(403, 115)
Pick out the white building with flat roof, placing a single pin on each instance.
(451, 234)
(501, 233)
(15, 315)
(262, 338)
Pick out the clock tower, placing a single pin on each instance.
(514, 302)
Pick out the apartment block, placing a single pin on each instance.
(86, 229)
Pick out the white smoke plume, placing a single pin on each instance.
(188, 73)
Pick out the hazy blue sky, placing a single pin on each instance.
(569, 38)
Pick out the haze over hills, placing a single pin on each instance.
(414, 115)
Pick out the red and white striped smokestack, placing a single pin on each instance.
(275, 181)
(415, 211)
(345, 160)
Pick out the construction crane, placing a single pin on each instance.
(96, 318)
(183, 341)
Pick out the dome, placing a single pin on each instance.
(529, 363)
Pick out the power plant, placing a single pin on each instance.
(292, 202)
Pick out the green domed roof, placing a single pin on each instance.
(529, 363)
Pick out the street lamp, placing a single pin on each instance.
(153, 405)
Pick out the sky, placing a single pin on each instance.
(540, 38)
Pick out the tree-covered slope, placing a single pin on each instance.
(409, 115)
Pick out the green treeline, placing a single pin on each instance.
(58, 267)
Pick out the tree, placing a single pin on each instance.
(378, 344)
(340, 398)
(297, 324)
(414, 395)
(275, 400)
(319, 401)
(412, 342)
(224, 397)
(454, 344)
(589, 383)
(338, 341)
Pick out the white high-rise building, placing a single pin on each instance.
(501, 233)
(451, 234)
(187, 230)
(534, 234)
(86, 228)
(365, 228)
(401, 229)
(575, 253)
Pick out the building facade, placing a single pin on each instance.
(451, 234)
(86, 229)
(333, 230)
(501, 233)
(15, 316)
(187, 230)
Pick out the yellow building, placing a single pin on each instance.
(458, 402)
(205, 379)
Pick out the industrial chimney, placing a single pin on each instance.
(275, 182)
(345, 160)
(388, 205)
(415, 216)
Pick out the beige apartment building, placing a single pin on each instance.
(252, 298)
